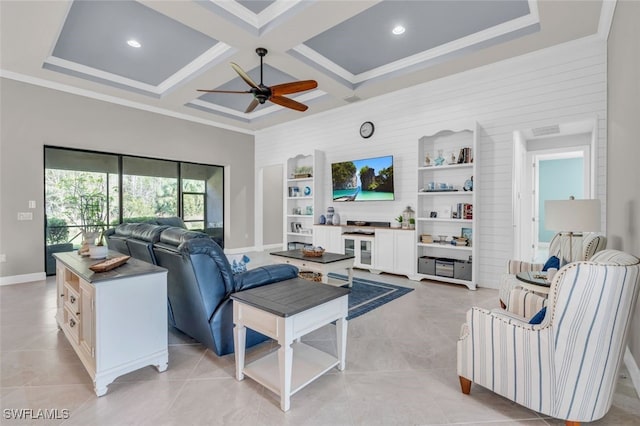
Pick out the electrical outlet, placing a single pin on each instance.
(25, 216)
(3, 258)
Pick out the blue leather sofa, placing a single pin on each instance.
(200, 281)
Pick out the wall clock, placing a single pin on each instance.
(366, 129)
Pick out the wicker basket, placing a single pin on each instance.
(310, 276)
(312, 253)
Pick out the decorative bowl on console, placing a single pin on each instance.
(313, 251)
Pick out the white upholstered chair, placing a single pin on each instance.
(522, 302)
(565, 367)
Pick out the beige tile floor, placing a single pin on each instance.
(401, 361)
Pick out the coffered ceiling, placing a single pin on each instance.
(156, 54)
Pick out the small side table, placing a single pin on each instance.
(286, 311)
(535, 281)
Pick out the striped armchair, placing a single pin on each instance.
(567, 366)
(522, 302)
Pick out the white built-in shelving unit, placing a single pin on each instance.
(302, 198)
(441, 202)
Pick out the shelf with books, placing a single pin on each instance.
(446, 200)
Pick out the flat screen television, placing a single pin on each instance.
(369, 179)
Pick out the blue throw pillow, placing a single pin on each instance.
(553, 262)
(537, 318)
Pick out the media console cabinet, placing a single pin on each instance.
(377, 249)
(116, 321)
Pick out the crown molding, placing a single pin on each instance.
(118, 101)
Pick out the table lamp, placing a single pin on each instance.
(571, 216)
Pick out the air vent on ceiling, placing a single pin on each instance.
(352, 99)
(546, 130)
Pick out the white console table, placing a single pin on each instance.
(116, 321)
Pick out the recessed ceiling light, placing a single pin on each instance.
(398, 29)
(134, 43)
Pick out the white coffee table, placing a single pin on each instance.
(286, 311)
(328, 262)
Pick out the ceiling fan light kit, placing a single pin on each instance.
(262, 93)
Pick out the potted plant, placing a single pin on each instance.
(399, 220)
(57, 236)
(412, 223)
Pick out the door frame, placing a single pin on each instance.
(523, 225)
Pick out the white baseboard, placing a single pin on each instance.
(25, 278)
(634, 371)
(245, 250)
(241, 250)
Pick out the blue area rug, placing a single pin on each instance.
(366, 295)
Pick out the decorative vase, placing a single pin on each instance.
(335, 219)
(330, 213)
(98, 252)
(88, 240)
(322, 220)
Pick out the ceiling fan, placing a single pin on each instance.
(262, 93)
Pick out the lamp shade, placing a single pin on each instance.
(572, 215)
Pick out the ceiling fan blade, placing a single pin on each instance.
(222, 91)
(288, 103)
(244, 75)
(293, 87)
(254, 103)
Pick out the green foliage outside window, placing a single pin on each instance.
(57, 231)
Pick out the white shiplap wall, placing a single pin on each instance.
(566, 83)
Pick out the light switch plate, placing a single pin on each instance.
(25, 216)
(32, 204)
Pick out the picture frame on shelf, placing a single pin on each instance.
(468, 234)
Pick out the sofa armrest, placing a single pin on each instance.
(264, 275)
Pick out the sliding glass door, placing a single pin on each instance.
(123, 188)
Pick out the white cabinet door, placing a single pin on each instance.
(405, 252)
(385, 248)
(395, 251)
(362, 248)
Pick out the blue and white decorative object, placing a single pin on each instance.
(322, 219)
(307, 191)
(330, 212)
(238, 263)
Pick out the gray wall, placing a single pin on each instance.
(272, 201)
(33, 116)
(623, 173)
